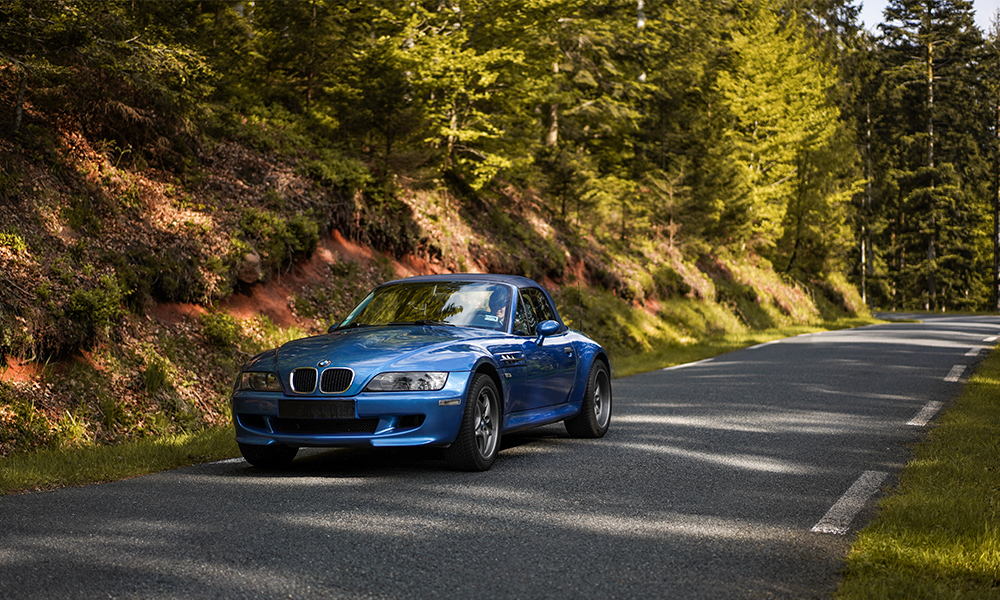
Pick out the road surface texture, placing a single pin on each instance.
(744, 476)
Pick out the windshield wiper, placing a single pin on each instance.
(423, 322)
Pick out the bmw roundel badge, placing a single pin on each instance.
(323, 363)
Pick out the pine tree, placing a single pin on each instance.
(929, 124)
(991, 68)
(783, 121)
(694, 190)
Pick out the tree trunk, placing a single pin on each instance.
(552, 137)
(22, 88)
(996, 216)
(311, 61)
(866, 230)
(931, 303)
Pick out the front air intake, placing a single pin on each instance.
(335, 381)
(304, 381)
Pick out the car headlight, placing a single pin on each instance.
(407, 382)
(258, 381)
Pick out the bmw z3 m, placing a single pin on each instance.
(453, 361)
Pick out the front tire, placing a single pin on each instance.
(478, 441)
(595, 414)
(268, 457)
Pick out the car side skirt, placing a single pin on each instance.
(540, 416)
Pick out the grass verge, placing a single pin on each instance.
(669, 356)
(938, 534)
(48, 469)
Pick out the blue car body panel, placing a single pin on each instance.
(541, 380)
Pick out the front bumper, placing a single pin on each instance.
(380, 419)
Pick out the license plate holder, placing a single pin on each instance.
(316, 409)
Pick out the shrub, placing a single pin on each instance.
(22, 428)
(81, 215)
(304, 234)
(156, 374)
(171, 274)
(12, 239)
(338, 171)
(669, 283)
(277, 240)
(92, 313)
(387, 221)
(71, 430)
(221, 330)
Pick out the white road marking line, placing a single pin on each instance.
(974, 351)
(992, 338)
(838, 519)
(955, 373)
(926, 414)
(690, 364)
(227, 461)
(762, 345)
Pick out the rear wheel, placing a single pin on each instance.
(478, 441)
(595, 415)
(268, 457)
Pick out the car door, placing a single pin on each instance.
(551, 364)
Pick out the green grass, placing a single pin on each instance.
(938, 534)
(669, 356)
(47, 469)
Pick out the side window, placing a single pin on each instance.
(524, 317)
(543, 310)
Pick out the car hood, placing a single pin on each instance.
(371, 350)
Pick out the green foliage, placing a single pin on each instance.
(81, 215)
(338, 171)
(386, 220)
(264, 334)
(93, 312)
(221, 329)
(669, 283)
(621, 328)
(695, 122)
(13, 240)
(156, 374)
(456, 81)
(932, 159)
(21, 426)
(279, 240)
(778, 96)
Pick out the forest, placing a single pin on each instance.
(777, 127)
(642, 147)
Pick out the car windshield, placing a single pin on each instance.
(468, 304)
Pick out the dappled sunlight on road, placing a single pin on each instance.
(725, 459)
(449, 521)
(925, 342)
(776, 422)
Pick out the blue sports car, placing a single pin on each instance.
(453, 361)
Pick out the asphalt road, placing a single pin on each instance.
(743, 476)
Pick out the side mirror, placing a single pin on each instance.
(332, 327)
(546, 328)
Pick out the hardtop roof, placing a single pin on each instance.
(515, 280)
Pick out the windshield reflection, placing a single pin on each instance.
(466, 304)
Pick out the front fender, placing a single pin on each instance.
(587, 353)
